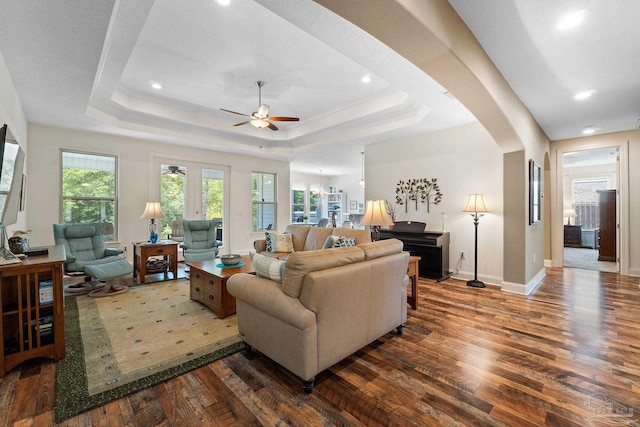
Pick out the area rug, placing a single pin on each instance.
(118, 345)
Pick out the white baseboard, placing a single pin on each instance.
(524, 289)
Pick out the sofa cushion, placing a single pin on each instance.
(298, 235)
(316, 238)
(279, 242)
(381, 248)
(300, 263)
(267, 267)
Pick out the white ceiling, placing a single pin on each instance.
(90, 65)
(546, 66)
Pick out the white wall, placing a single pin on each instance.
(464, 160)
(135, 157)
(12, 114)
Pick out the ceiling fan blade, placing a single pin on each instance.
(272, 126)
(234, 112)
(284, 119)
(243, 123)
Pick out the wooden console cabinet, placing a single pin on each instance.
(30, 328)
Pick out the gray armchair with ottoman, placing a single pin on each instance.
(87, 253)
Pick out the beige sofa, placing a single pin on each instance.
(307, 238)
(329, 304)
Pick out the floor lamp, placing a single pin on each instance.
(376, 216)
(477, 205)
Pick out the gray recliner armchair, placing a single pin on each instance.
(200, 241)
(85, 248)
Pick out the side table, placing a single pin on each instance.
(142, 251)
(208, 284)
(413, 273)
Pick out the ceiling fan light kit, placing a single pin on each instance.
(261, 119)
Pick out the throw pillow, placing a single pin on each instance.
(279, 242)
(344, 242)
(331, 240)
(267, 267)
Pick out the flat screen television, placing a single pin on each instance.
(11, 169)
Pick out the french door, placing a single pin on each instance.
(192, 190)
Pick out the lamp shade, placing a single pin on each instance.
(152, 211)
(569, 213)
(376, 214)
(475, 203)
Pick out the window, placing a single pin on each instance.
(314, 207)
(89, 190)
(298, 203)
(586, 201)
(172, 196)
(264, 201)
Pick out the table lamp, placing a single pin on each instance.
(376, 216)
(151, 212)
(478, 206)
(569, 213)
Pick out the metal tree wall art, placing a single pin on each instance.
(430, 192)
(424, 190)
(404, 193)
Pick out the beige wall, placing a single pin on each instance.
(136, 171)
(464, 160)
(432, 36)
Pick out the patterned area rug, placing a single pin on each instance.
(118, 345)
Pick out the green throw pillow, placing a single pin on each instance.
(331, 240)
(267, 267)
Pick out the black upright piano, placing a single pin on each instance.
(431, 246)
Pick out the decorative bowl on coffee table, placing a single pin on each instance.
(230, 259)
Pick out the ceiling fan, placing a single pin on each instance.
(174, 171)
(261, 118)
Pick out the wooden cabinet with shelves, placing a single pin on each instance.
(30, 328)
(608, 226)
(336, 203)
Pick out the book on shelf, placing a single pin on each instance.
(45, 288)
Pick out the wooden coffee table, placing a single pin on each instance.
(209, 284)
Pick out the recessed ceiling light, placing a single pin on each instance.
(224, 2)
(572, 20)
(156, 85)
(585, 94)
(588, 130)
(366, 79)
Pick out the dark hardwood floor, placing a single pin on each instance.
(567, 355)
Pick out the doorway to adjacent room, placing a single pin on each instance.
(590, 209)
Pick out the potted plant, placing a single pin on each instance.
(391, 211)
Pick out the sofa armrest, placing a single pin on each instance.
(265, 295)
(260, 245)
